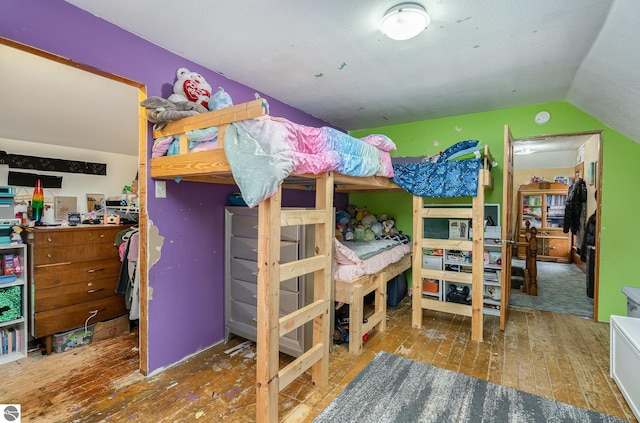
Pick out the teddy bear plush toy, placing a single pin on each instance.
(191, 86)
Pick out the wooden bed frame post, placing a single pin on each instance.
(477, 265)
(323, 288)
(416, 283)
(267, 341)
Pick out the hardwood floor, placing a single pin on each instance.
(552, 355)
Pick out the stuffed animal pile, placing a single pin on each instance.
(357, 224)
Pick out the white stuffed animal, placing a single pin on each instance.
(190, 86)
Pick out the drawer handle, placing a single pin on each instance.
(254, 273)
(49, 239)
(255, 319)
(91, 291)
(101, 235)
(49, 255)
(95, 270)
(255, 226)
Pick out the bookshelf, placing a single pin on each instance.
(14, 335)
(542, 205)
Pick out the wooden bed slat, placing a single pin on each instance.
(196, 164)
(248, 110)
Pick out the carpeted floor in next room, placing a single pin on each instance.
(561, 288)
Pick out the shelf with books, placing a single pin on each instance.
(542, 205)
(13, 302)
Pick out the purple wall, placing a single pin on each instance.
(186, 307)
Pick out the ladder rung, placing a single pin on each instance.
(449, 244)
(297, 268)
(301, 316)
(302, 217)
(448, 213)
(289, 373)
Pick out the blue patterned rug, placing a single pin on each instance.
(396, 389)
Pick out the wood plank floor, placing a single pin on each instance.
(558, 356)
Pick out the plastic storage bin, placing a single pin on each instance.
(396, 290)
(73, 338)
(633, 300)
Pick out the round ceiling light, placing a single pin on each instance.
(404, 21)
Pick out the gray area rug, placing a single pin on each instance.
(562, 288)
(396, 389)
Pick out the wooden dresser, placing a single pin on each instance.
(74, 273)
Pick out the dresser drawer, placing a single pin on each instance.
(247, 314)
(53, 238)
(247, 248)
(247, 226)
(74, 253)
(69, 294)
(49, 276)
(76, 236)
(75, 316)
(247, 270)
(246, 292)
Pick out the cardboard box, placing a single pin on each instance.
(112, 328)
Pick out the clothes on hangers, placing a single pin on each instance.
(128, 282)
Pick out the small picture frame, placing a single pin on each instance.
(96, 203)
(458, 229)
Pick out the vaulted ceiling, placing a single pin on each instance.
(329, 59)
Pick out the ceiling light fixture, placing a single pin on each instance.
(404, 21)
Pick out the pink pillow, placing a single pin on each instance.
(383, 142)
(344, 255)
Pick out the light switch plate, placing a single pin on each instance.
(161, 189)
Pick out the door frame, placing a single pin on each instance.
(142, 180)
(598, 188)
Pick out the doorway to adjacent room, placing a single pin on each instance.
(563, 278)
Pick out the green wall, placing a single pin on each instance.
(619, 254)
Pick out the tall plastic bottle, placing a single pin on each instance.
(37, 202)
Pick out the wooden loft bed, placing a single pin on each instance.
(476, 246)
(212, 166)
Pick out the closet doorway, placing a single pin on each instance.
(551, 157)
(74, 100)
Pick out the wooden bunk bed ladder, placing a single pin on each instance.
(476, 246)
(270, 378)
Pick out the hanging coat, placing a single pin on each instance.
(576, 199)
